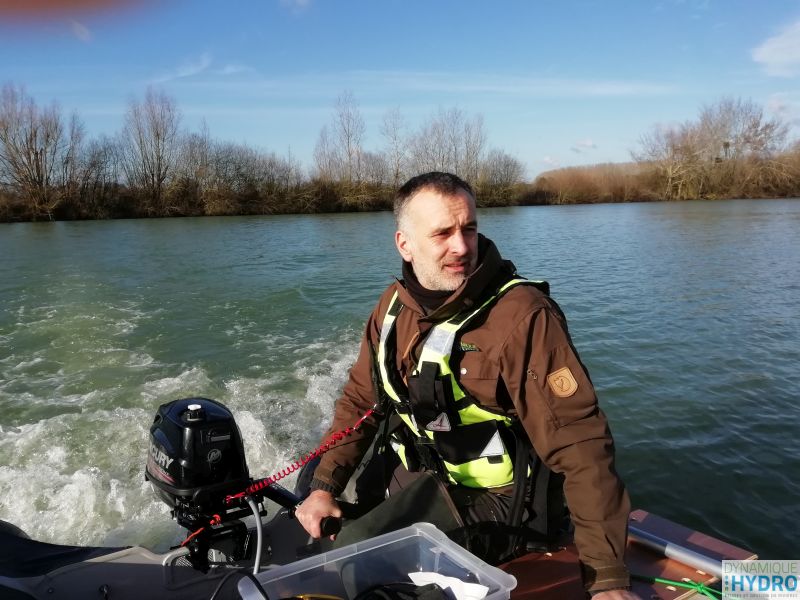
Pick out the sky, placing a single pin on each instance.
(558, 83)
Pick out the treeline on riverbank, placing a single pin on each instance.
(50, 169)
(730, 151)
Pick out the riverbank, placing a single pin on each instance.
(595, 184)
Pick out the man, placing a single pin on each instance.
(462, 349)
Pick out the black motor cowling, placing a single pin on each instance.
(196, 456)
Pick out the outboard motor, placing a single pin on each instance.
(196, 459)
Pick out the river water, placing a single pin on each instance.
(686, 315)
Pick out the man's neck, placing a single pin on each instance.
(429, 300)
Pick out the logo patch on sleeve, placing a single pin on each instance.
(562, 382)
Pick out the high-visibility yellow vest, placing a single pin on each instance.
(439, 412)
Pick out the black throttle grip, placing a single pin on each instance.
(330, 526)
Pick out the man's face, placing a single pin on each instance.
(439, 237)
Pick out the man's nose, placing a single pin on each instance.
(458, 245)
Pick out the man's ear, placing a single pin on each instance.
(403, 245)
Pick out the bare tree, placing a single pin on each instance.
(35, 153)
(326, 160)
(375, 168)
(348, 128)
(449, 141)
(430, 147)
(149, 145)
(726, 149)
(474, 143)
(676, 155)
(191, 176)
(735, 128)
(193, 156)
(501, 170)
(71, 166)
(451, 122)
(396, 145)
(293, 173)
(98, 177)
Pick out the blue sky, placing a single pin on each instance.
(558, 83)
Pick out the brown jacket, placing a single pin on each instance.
(521, 342)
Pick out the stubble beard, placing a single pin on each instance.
(437, 279)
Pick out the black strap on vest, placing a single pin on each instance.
(521, 455)
(426, 403)
(431, 394)
(542, 492)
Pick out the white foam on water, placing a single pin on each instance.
(124, 326)
(56, 456)
(39, 314)
(26, 364)
(49, 402)
(283, 416)
(326, 379)
(78, 479)
(123, 357)
(261, 454)
(246, 391)
(137, 360)
(271, 423)
(189, 382)
(240, 329)
(67, 353)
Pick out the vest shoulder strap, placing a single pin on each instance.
(465, 316)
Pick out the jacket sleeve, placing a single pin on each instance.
(557, 405)
(358, 396)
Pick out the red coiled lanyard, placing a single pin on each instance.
(335, 438)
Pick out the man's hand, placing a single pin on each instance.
(313, 509)
(616, 595)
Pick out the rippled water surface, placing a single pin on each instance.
(686, 315)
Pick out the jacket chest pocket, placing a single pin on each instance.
(478, 376)
(474, 364)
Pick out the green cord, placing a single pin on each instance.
(690, 585)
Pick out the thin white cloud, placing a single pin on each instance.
(233, 69)
(296, 5)
(777, 104)
(550, 162)
(583, 146)
(696, 8)
(699, 8)
(80, 31)
(780, 54)
(433, 82)
(516, 85)
(187, 69)
(785, 106)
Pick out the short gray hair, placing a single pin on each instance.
(445, 184)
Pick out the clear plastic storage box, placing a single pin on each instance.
(388, 558)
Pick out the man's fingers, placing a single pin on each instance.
(317, 507)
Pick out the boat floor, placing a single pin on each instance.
(556, 575)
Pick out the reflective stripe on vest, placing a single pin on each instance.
(491, 465)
